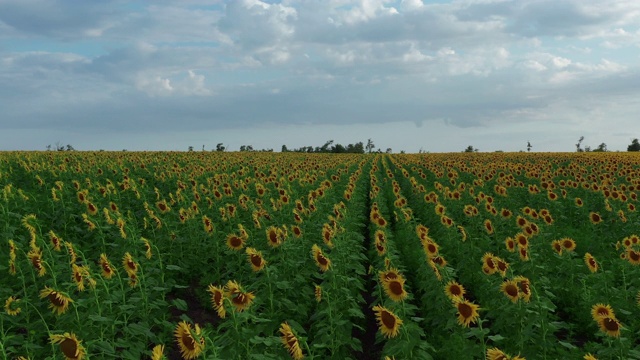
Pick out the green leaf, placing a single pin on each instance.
(496, 338)
(567, 345)
(180, 304)
(173, 267)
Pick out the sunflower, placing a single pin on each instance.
(381, 248)
(501, 265)
(10, 308)
(599, 311)
(273, 236)
(91, 208)
(524, 285)
(454, 291)
(595, 218)
(463, 232)
(290, 342)
(130, 266)
(217, 300)
(105, 265)
(59, 302)
(488, 226)
(12, 249)
(511, 290)
(317, 292)
(56, 241)
(610, 326)
(524, 254)
(588, 356)
(190, 341)
(522, 240)
(256, 259)
(388, 322)
(35, 255)
(297, 232)
(389, 274)
(240, 299)
(119, 223)
(430, 248)
(633, 256)
(556, 245)
(321, 260)
(521, 222)
(421, 230)
(440, 209)
(207, 224)
(510, 244)
(467, 312)
(394, 288)
(158, 352)
(133, 280)
(163, 207)
(488, 264)
(496, 354)
(591, 262)
(568, 244)
(235, 242)
(78, 276)
(70, 346)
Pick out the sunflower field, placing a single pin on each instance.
(176, 255)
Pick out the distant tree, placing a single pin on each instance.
(635, 145)
(220, 147)
(389, 150)
(338, 149)
(284, 148)
(49, 147)
(358, 148)
(529, 146)
(470, 148)
(587, 148)
(325, 147)
(190, 148)
(59, 146)
(70, 148)
(402, 152)
(578, 148)
(370, 146)
(601, 148)
(202, 147)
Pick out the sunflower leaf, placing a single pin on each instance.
(567, 345)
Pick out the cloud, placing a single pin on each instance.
(200, 66)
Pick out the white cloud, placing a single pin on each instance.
(476, 63)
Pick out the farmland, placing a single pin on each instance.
(319, 256)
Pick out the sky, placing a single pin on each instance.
(411, 75)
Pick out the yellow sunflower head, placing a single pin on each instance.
(321, 260)
(388, 322)
(70, 346)
(240, 299)
(58, 302)
(290, 342)
(217, 300)
(591, 262)
(454, 291)
(511, 290)
(467, 312)
(190, 341)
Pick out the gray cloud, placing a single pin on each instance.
(177, 67)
